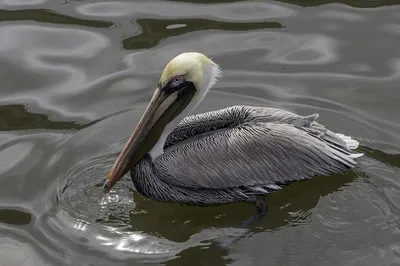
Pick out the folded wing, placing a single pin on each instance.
(256, 154)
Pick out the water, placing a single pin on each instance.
(77, 75)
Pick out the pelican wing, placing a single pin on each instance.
(199, 125)
(257, 154)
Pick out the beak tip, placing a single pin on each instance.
(106, 188)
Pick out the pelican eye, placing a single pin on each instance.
(177, 80)
(176, 83)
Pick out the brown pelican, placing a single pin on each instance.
(237, 154)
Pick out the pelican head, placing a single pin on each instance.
(183, 84)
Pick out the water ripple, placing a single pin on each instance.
(77, 75)
(49, 16)
(46, 55)
(153, 31)
(227, 12)
(17, 3)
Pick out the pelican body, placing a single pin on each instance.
(236, 154)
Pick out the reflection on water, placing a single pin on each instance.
(14, 217)
(16, 117)
(153, 31)
(76, 77)
(49, 16)
(391, 159)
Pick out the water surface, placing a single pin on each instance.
(76, 77)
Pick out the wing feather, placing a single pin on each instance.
(257, 154)
(197, 126)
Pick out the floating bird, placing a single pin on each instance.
(236, 154)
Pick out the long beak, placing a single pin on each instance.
(162, 109)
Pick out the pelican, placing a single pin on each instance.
(236, 154)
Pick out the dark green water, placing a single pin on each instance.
(77, 75)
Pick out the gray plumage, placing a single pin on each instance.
(241, 153)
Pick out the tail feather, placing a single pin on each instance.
(351, 144)
(341, 145)
(356, 155)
